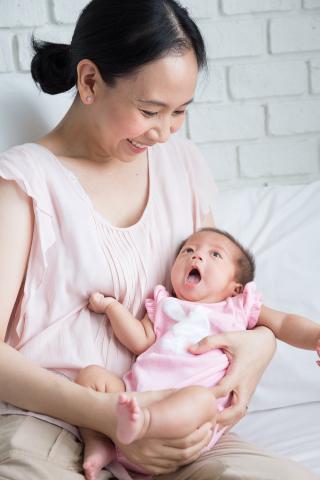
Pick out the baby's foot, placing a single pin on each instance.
(133, 421)
(99, 303)
(98, 453)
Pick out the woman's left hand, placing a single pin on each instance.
(249, 352)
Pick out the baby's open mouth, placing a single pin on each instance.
(194, 276)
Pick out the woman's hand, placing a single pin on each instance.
(318, 351)
(158, 457)
(249, 352)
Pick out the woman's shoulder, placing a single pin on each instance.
(179, 155)
(34, 169)
(179, 146)
(26, 155)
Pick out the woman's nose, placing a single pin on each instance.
(161, 133)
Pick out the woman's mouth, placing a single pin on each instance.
(137, 147)
(193, 277)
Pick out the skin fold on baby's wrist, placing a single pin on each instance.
(112, 304)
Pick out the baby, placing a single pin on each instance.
(213, 292)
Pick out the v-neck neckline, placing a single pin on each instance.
(75, 182)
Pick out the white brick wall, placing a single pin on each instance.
(256, 117)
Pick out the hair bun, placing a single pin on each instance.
(51, 67)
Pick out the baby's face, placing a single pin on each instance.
(204, 270)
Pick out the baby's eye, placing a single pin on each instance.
(188, 250)
(216, 254)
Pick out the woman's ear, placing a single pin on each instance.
(88, 77)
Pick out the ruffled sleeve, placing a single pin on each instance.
(19, 165)
(251, 304)
(159, 294)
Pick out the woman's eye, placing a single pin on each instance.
(179, 112)
(216, 254)
(148, 114)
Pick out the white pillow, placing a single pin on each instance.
(281, 226)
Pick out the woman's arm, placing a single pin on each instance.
(293, 329)
(136, 335)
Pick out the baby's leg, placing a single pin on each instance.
(98, 449)
(176, 415)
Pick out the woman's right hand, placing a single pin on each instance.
(158, 457)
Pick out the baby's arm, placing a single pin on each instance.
(293, 329)
(136, 335)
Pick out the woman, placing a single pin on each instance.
(100, 203)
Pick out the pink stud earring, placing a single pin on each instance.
(89, 99)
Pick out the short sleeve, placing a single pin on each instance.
(17, 165)
(204, 189)
(159, 294)
(251, 304)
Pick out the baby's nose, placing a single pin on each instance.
(196, 256)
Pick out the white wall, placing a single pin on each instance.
(257, 116)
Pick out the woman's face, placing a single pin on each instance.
(145, 108)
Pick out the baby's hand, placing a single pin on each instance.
(98, 303)
(318, 351)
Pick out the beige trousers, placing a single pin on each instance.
(31, 449)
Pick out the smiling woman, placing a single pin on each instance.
(100, 203)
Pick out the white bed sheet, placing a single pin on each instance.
(291, 431)
(281, 225)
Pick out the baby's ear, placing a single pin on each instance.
(238, 288)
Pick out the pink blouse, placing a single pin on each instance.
(76, 251)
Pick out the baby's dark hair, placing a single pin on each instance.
(245, 263)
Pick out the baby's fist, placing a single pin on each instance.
(98, 303)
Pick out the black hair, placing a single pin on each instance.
(245, 263)
(118, 36)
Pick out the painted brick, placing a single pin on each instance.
(51, 33)
(315, 76)
(211, 87)
(311, 3)
(222, 160)
(201, 8)
(295, 35)
(234, 38)
(209, 123)
(268, 79)
(233, 7)
(68, 11)
(265, 159)
(6, 58)
(54, 33)
(23, 13)
(24, 51)
(294, 117)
